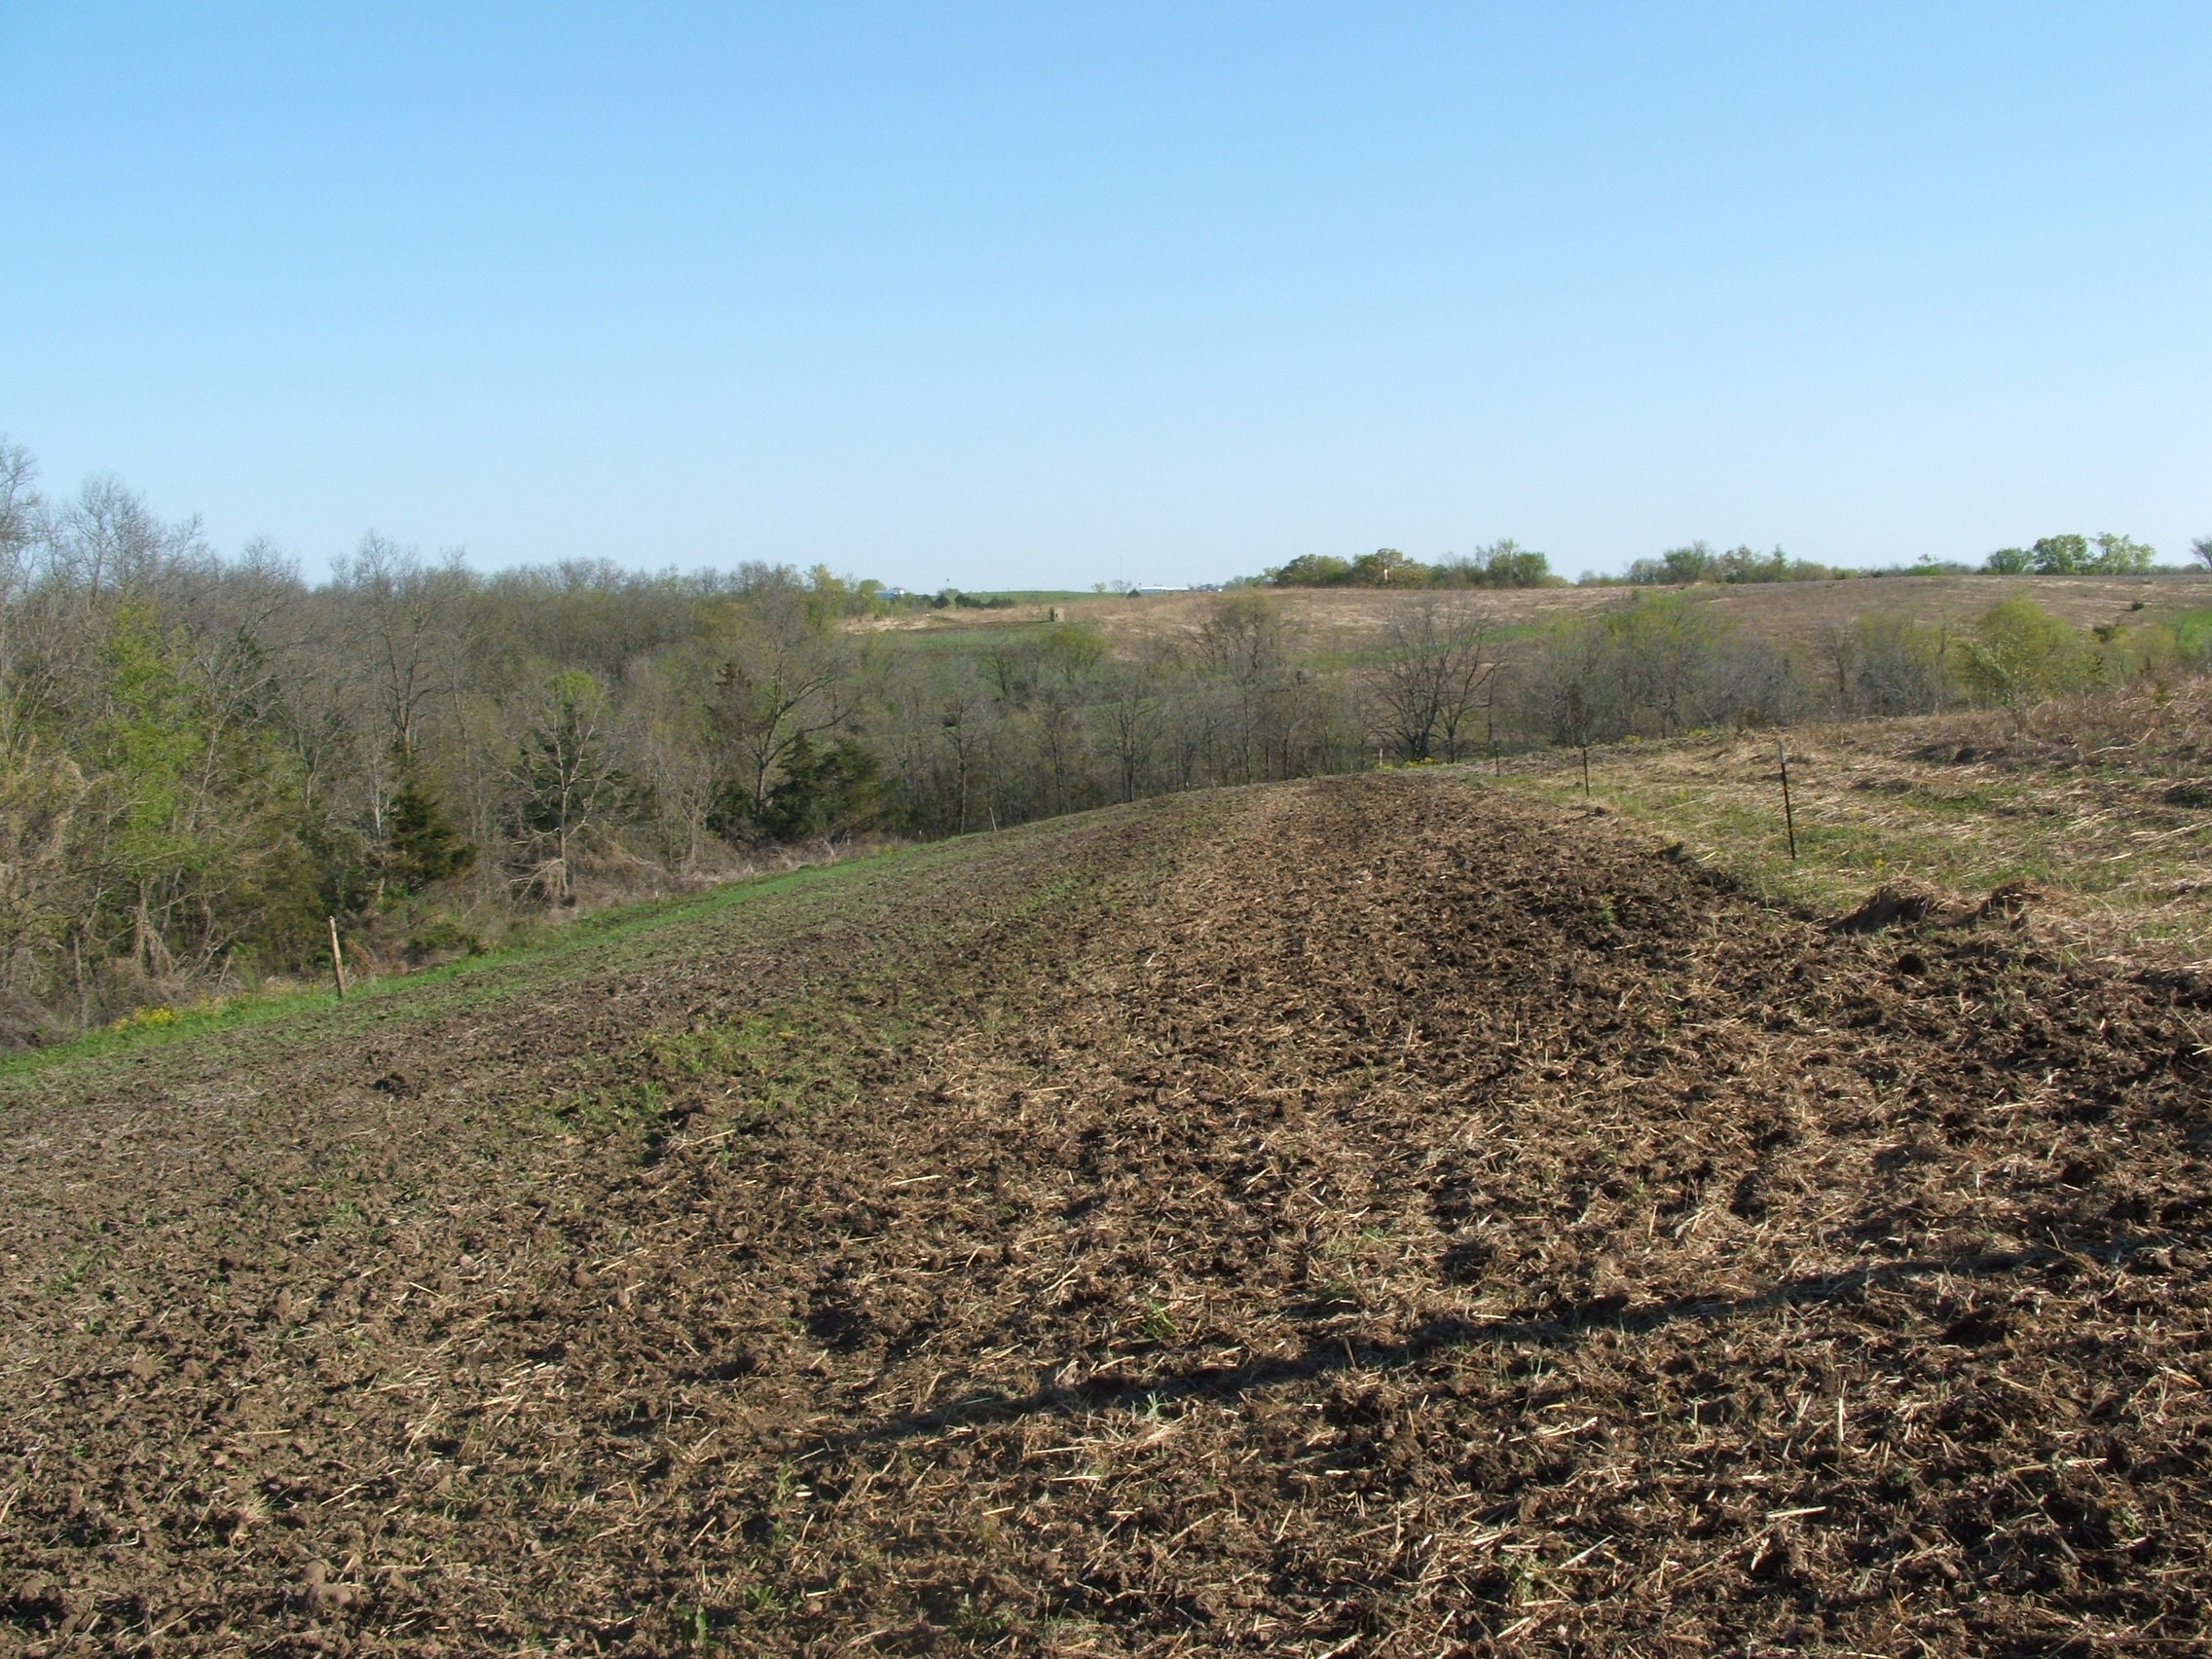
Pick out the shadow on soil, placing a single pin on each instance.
(1568, 1324)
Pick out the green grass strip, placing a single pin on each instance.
(602, 927)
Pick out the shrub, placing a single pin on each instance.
(1900, 668)
(441, 939)
(1654, 667)
(2020, 651)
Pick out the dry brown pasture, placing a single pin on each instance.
(1376, 1216)
(1346, 618)
(2099, 805)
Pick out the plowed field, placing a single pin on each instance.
(1367, 1217)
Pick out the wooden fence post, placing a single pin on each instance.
(337, 959)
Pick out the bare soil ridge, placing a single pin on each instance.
(1372, 1216)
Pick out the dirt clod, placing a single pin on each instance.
(1893, 904)
(321, 1594)
(1366, 1216)
(2008, 899)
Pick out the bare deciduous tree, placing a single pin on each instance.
(1427, 686)
(564, 782)
(783, 678)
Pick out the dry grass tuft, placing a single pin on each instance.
(2089, 813)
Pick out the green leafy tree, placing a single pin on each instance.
(193, 819)
(1387, 567)
(2072, 556)
(2122, 556)
(1312, 570)
(2059, 555)
(831, 597)
(1510, 565)
(1501, 565)
(1677, 566)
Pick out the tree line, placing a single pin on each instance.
(1501, 565)
(1508, 564)
(205, 757)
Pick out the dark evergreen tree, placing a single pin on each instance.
(832, 791)
(420, 848)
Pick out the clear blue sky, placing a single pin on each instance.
(1042, 295)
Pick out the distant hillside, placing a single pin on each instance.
(1792, 611)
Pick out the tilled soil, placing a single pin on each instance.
(1363, 1217)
